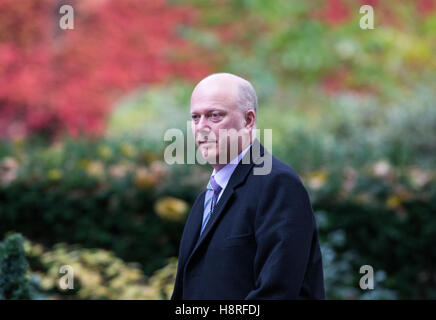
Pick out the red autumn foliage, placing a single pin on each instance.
(54, 81)
(333, 12)
(426, 6)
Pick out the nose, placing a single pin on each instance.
(202, 128)
(202, 124)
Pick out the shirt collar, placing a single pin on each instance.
(222, 177)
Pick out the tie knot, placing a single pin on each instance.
(213, 185)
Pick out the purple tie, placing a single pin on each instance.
(211, 197)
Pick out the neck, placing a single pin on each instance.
(218, 166)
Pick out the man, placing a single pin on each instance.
(248, 236)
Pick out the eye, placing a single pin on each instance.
(194, 117)
(215, 116)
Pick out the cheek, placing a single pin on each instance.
(220, 135)
(237, 121)
(232, 125)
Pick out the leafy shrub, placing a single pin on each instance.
(132, 205)
(14, 281)
(360, 159)
(161, 284)
(96, 273)
(351, 130)
(382, 218)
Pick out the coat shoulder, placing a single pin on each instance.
(280, 171)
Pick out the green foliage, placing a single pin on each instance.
(101, 195)
(123, 222)
(96, 274)
(352, 130)
(149, 112)
(14, 282)
(283, 42)
(352, 111)
(384, 222)
(367, 162)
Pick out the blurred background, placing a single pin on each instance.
(83, 113)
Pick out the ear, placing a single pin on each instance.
(250, 118)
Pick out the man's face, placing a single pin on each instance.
(213, 108)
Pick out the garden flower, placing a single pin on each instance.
(8, 170)
(395, 200)
(158, 170)
(84, 163)
(105, 152)
(143, 179)
(418, 177)
(381, 168)
(317, 179)
(95, 169)
(172, 209)
(127, 150)
(118, 171)
(54, 174)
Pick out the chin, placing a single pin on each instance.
(210, 155)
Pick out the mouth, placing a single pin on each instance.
(206, 142)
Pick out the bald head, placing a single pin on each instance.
(235, 90)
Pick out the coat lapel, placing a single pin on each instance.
(192, 229)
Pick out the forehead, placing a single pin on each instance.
(214, 97)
